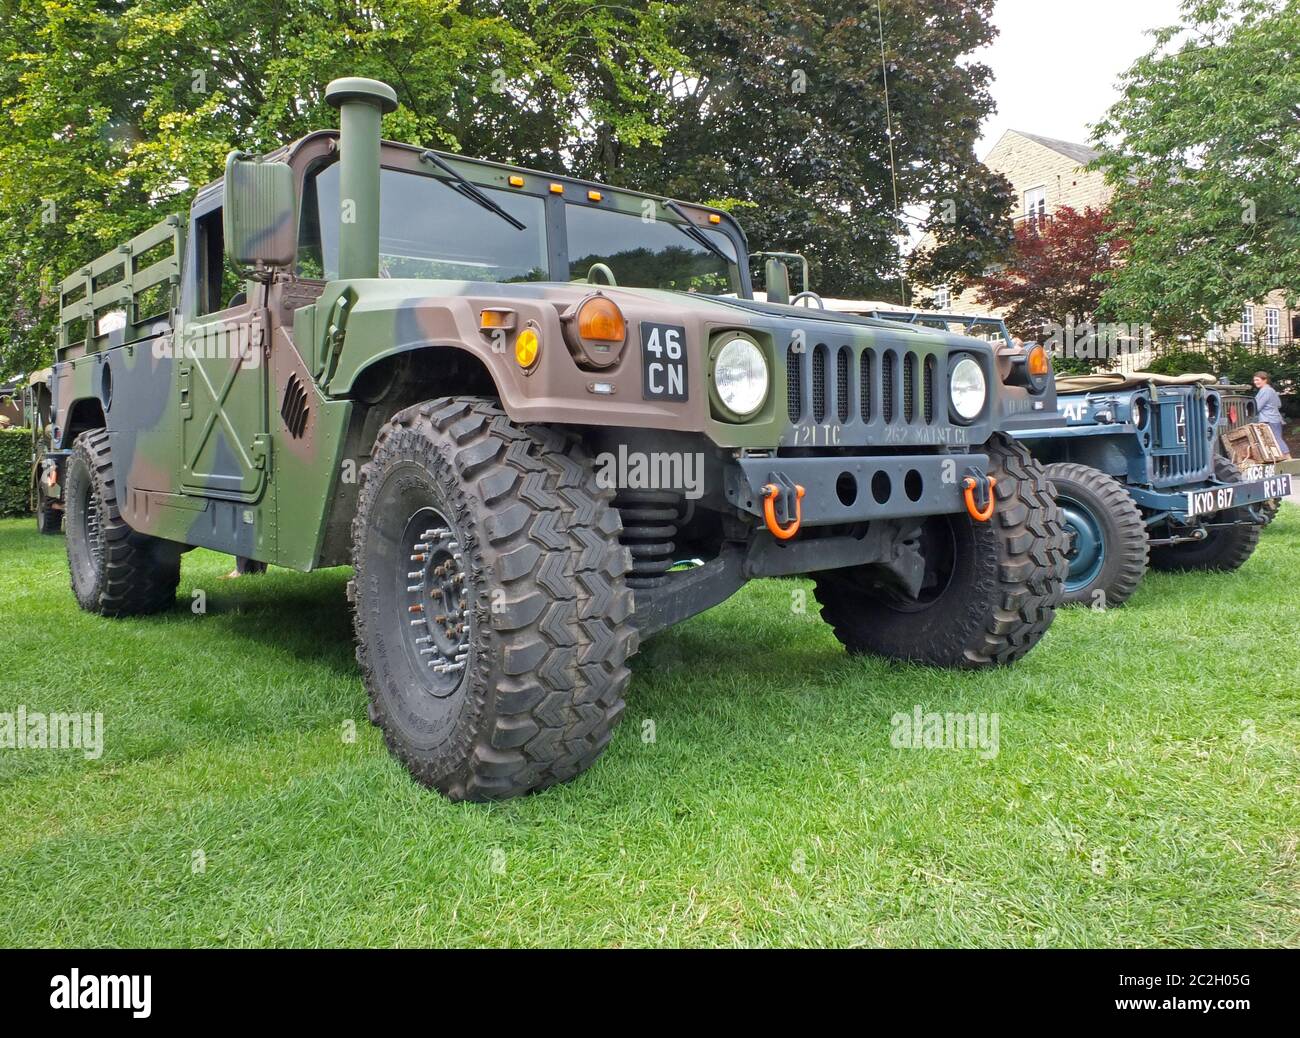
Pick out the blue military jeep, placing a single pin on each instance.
(1140, 478)
(1139, 472)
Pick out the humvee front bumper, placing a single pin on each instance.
(1206, 499)
(855, 489)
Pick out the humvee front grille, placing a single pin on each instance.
(893, 386)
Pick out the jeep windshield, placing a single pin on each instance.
(430, 229)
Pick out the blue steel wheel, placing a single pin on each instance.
(1087, 551)
(1107, 553)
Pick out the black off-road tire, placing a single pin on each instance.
(548, 616)
(1226, 548)
(1000, 593)
(115, 570)
(49, 520)
(1091, 498)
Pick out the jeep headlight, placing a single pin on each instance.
(967, 389)
(740, 376)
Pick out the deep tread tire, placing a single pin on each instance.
(1122, 529)
(1005, 585)
(1226, 548)
(131, 573)
(547, 669)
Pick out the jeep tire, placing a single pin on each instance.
(115, 570)
(492, 620)
(1224, 548)
(1107, 536)
(992, 587)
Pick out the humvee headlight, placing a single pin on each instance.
(527, 347)
(740, 376)
(967, 389)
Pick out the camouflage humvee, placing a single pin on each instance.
(46, 480)
(543, 419)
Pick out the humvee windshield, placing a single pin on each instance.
(429, 229)
(647, 252)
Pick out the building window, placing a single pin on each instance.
(1035, 204)
(1215, 334)
(1273, 325)
(1248, 324)
(943, 298)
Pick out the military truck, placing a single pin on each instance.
(1141, 479)
(543, 419)
(46, 481)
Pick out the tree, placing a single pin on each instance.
(116, 111)
(783, 115)
(1053, 271)
(1202, 151)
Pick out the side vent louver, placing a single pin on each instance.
(293, 409)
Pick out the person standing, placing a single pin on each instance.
(1269, 406)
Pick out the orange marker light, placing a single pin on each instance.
(601, 320)
(1037, 363)
(714, 218)
(594, 196)
(490, 319)
(516, 181)
(557, 189)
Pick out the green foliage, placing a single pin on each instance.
(1238, 365)
(116, 111)
(786, 109)
(15, 471)
(1201, 151)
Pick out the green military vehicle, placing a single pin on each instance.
(46, 480)
(542, 419)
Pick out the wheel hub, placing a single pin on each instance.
(1087, 550)
(437, 600)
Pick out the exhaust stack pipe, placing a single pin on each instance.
(362, 104)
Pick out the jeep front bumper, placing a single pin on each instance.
(1208, 499)
(855, 489)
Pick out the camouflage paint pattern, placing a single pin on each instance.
(208, 442)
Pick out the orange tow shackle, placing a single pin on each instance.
(980, 515)
(770, 493)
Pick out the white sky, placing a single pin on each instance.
(1056, 62)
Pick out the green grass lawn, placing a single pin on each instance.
(1146, 792)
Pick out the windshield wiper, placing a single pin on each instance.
(694, 233)
(470, 191)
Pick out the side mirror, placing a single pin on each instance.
(260, 214)
(776, 275)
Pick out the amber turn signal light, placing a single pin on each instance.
(600, 320)
(492, 318)
(1036, 363)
